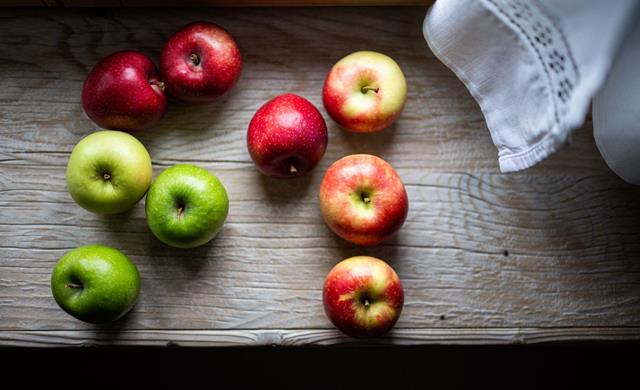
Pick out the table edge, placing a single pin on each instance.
(311, 337)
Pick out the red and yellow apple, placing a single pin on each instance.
(365, 91)
(363, 296)
(363, 200)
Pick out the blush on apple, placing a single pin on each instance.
(363, 200)
(365, 91)
(124, 92)
(200, 62)
(287, 136)
(363, 296)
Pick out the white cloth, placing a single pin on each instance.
(616, 112)
(533, 66)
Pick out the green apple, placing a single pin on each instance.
(95, 283)
(108, 172)
(186, 206)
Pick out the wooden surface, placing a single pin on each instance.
(548, 254)
(191, 3)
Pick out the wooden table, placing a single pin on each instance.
(548, 254)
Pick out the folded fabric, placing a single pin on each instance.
(616, 111)
(533, 66)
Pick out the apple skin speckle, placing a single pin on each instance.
(287, 136)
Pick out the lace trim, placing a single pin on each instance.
(547, 40)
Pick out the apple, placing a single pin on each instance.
(363, 296)
(186, 206)
(363, 200)
(365, 91)
(124, 92)
(108, 172)
(287, 136)
(200, 62)
(95, 283)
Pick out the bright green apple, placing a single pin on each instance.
(186, 206)
(108, 172)
(95, 283)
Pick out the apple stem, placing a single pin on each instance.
(366, 303)
(293, 170)
(367, 88)
(73, 285)
(106, 176)
(180, 211)
(157, 83)
(195, 59)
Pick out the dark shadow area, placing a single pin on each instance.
(423, 367)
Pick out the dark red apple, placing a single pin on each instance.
(363, 296)
(124, 92)
(287, 136)
(363, 200)
(200, 62)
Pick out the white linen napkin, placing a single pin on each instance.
(616, 112)
(533, 66)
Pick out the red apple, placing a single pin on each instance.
(124, 92)
(363, 200)
(365, 91)
(200, 62)
(363, 296)
(287, 136)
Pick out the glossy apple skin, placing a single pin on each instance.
(200, 62)
(186, 206)
(365, 92)
(95, 283)
(363, 200)
(287, 136)
(124, 92)
(126, 164)
(363, 296)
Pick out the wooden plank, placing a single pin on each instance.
(22, 3)
(283, 337)
(546, 254)
(239, 3)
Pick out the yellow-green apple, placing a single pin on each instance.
(108, 172)
(95, 283)
(363, 200)
(365, 91)
(200, 62)
(186, 206)
(124, 92)
(363, 296)
(287, 136)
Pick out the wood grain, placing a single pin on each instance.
(306, 337)
(547, 254)
(203, 3)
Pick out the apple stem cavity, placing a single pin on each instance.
(195, 59)
(367, 88)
